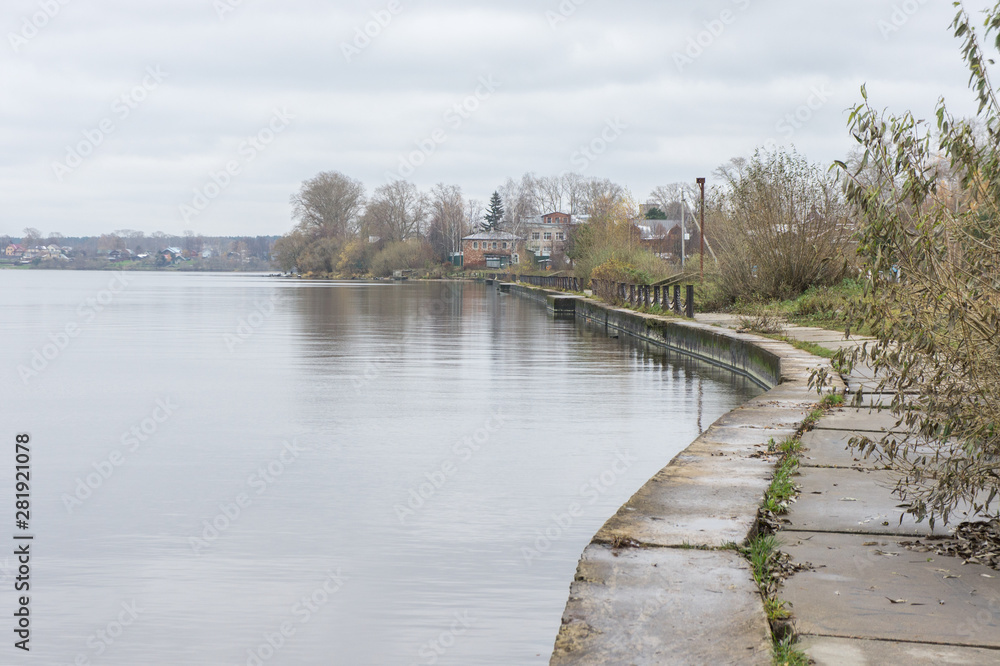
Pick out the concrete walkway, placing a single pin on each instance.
(867, 599)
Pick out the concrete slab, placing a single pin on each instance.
(699, 499)
(852, 501)
(874, 588)
(762, 416)
(828, 448)
(860, 418)
(827, 651)
(877, 400)
(856, 385)
(662, 605)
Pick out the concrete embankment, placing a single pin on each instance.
(657, 584)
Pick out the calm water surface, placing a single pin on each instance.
(357, 473)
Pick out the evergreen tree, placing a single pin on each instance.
(494, 215)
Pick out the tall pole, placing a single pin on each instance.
(682, 230)
(701, 184)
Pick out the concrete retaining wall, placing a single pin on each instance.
(660, 581)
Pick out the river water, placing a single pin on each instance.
(233, 469)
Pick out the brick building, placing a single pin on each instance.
(547, 236)
(492, 249)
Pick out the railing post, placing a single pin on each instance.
(676, 306)
(690, 301)
(645, 295)
(656, 295)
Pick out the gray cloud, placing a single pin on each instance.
(560, 81)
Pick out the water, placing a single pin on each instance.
(232, 469)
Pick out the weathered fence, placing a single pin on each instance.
(618, 293)
(644, 295)
(547, 281)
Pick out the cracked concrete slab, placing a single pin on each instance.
(644, 606)
(873, 587)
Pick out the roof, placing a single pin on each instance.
(492, 236)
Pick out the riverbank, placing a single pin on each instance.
(661, 581)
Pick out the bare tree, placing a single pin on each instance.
(328, 205)
(397, 211)
(447, 219)
(602, 196)
(31, 237)
(520, 202)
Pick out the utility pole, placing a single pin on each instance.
(683, 206)
(701, 184)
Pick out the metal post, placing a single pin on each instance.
(683, 247)
(676, 307)
(701, 234)
(690, 301)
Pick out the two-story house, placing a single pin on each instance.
(492, 249)
(547, 236)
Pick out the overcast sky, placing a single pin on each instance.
(207, 114)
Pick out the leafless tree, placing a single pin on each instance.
(31, 237)
(397, 211)
(328, 205)
(447, 219)
(520, 201)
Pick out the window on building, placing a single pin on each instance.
(548, 235)
(505, 245)
(560, 236)
(475, 245)
(535, 235)
(494, 245)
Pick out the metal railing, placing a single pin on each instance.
(548, 281)
(644, 295)
(617, 293)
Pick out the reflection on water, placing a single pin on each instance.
(287, 472)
